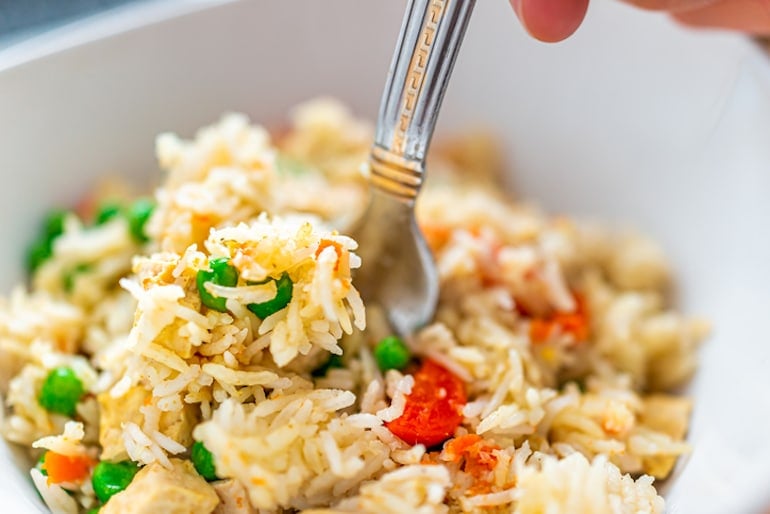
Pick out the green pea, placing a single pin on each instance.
(53, 225)
(203, 461)
(220, 272)
(335, 361)
(284, 289)
(42, 248)
(38, 253)
(391, 353)
(93, 510)
(61, 391)
(106, 212)
(137, 215)
(109, 478)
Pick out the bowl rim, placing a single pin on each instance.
(95, 27)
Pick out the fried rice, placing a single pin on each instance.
(556, 335)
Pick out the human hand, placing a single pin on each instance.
(554, 20)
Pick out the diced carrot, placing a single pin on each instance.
(540, 330)
(476, 457)
(67, 468)
(436, 235)
(338, 249)
(576, 323)
(454, 449)
(433, 409)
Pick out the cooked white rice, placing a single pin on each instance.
(558, 331)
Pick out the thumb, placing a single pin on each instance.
(550, 20)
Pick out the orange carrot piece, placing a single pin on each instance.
(436, 235)
(455, 448)
(338, 249)
(433, 409)
(476, 457)
(576, 323)
(66, 468)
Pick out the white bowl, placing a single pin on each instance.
(633, 120)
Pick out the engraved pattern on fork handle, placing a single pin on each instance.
(430, 38)
(415, 77)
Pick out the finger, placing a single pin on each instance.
(670, 5)
(550, 20)
(749, 16)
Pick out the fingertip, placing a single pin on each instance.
(747, 16)
(550, 21)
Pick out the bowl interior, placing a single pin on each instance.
(634, 121)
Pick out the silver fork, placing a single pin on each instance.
(398, 271)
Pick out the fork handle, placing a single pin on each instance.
(430, 38)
